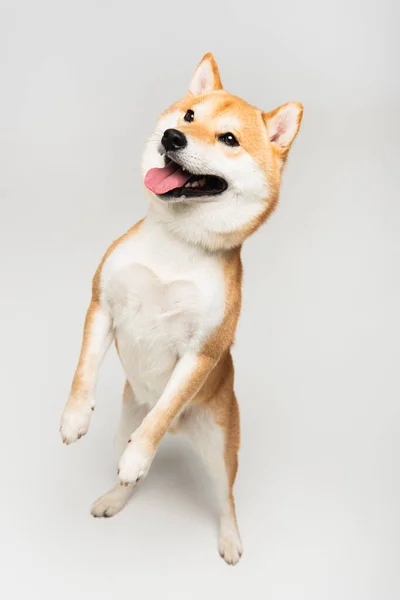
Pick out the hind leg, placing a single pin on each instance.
(217, 443)
(132, 415)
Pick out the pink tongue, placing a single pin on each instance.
(161, 181)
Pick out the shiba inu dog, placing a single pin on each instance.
(168, 292)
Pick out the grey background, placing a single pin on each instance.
(82, 83)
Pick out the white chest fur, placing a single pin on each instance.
(166, 297)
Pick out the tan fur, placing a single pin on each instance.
(217, 79)
(283, 152)
(96, 291)
(78, 383)
(210, 384)
(159, 420)
(78, 389)
(212, 380)
(252, 136)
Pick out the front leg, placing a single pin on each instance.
(97, 337)
(187, 378)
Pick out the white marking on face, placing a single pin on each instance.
(226, 124)
(153, 154)
(200, 219)
(203, 110)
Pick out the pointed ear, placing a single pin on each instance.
(283, 124)
(206, 77)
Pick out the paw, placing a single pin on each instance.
(75, 421)
(135, 462)
(229, 545)
(112, 502)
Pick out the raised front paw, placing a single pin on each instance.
(75, 420)
(135, 461)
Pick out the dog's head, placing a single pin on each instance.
(213, 163)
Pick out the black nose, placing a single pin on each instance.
(173, 139)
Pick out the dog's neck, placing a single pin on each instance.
(216, 227)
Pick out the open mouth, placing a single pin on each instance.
(173, 181)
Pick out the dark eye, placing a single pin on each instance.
(189, 116)
(228, 139)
